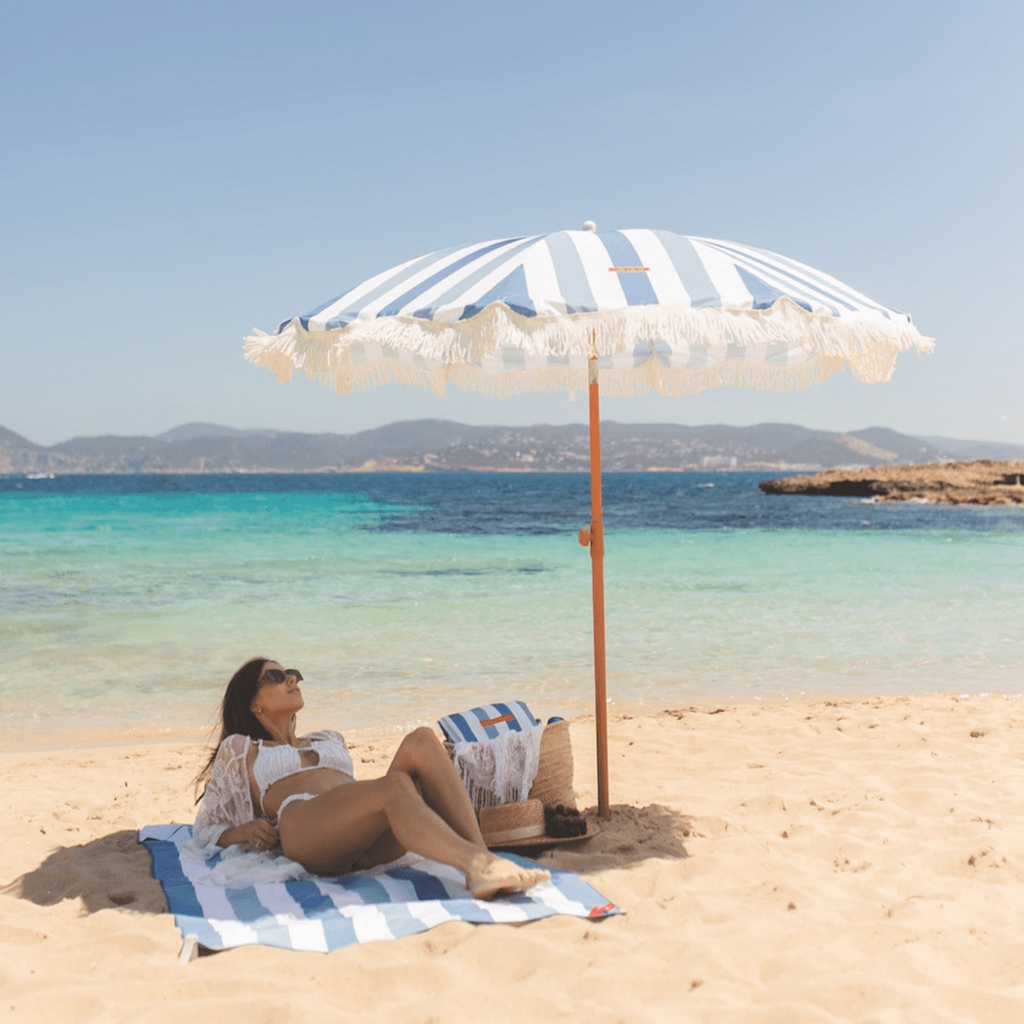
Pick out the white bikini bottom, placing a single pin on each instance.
(291, 799)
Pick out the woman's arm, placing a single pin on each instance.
(226, 816)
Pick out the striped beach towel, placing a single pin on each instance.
(310, 913)
(487, 722)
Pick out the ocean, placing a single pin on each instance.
(126, 602)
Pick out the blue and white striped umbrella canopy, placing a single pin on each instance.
(660, 311)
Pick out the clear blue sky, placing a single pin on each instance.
(176, 175)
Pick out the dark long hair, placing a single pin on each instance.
(236, 715)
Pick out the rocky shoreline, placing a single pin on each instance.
(984, 482)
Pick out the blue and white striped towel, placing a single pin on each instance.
(408, 896)
(488, 722)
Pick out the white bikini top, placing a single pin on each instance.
(274, 763)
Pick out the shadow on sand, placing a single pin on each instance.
(112, 871)
(115, 870)
(633, 834)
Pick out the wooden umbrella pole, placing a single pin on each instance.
(595, 538)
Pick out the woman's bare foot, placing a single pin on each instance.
(490, 876)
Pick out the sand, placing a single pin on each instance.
(819, 861)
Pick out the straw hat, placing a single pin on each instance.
(510, 823)
(511, 826)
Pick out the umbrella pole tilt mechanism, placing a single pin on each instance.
(594, 537)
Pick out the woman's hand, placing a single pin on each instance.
(259, 834)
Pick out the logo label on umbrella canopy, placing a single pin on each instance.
(629, 270)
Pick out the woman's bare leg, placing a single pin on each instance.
(422, 757)
(331, 833)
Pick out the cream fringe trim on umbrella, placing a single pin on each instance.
(730, 345)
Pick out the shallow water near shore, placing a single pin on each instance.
(127, 602)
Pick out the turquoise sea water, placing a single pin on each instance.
(127, 602)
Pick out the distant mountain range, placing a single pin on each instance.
(440, 445)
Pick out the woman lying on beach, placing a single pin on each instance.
(270, 789)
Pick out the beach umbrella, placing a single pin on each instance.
(612, 312)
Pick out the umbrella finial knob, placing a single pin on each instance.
(589, 225)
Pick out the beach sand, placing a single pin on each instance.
(819, 861)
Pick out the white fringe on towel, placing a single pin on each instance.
(500, 771)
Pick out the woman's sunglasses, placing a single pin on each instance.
(276, 675)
